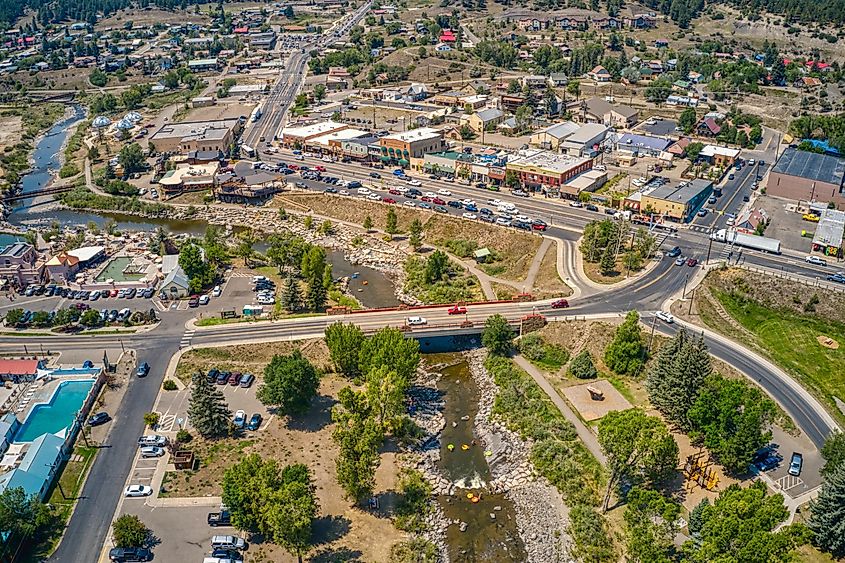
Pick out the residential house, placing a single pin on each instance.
(483, 120)
(558, 79)
(639, 21)
(599, 110)
(599, 74)
(749, 219)
(607, 23)
(708, 127)
(661, 43)
(534, 81)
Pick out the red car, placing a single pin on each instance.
(234, 379)
(293, 166)
(320, 168)
(457, 310)
(425, 198)
(388, 200)
(394, 192)
(438, 201)
(194, 301)
(114, 292)
(560, 304)
(692, 262)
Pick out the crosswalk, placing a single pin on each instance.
(158, 304)
(699, 229)
(166, 422)
(241, 275)
(186, 338)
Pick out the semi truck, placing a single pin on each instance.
(764, 244)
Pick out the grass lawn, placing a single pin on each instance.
(790, 340)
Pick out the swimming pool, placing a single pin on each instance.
(58, 414)
(116, 270)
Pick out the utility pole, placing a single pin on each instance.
(686, 279)
(651, 340)
(709, 248)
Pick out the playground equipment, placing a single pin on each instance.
(699, 470)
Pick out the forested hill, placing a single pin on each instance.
(57, 11)
(819, 11)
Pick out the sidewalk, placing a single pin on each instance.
(584, 433)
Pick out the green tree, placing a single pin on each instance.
(313, 263)
(385, 392)
(732, 419)
(359, 438)
(129, 531)
(98, 78)
(693, 150)
(650, 527)
(625, 354)
(589, 531)
(199, 271)
(638, 447)
(207, 409)
(131, 157)
(368, 223)
(317, 295)
(290, 383)
(674, 381)
(497, 336)
(833, 452)
(582, 366)
(827, 513)
(607, 264)
(436, 267)
(696, 517)
(415, 493)
(415, 234)
(291, 298)
(687, 120)
(319, 92)
(22, 515)
(739, 527)
(344, 342)
(391, 227)
(389, 347)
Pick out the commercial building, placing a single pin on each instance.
(678, 202)
(35, 465)
(447, 162)
(538, 169)
(642, 145)
(64, 266)
(299, 136)
(829, 232)
(402, 147)
(719, 156)
(189, 178)
(599, 110)
(20, 265)
(551, 137)
(203, 65)
(196, 136)
(358, 147)
(807, 176)
(586, 141)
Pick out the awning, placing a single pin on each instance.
(386, 159)
(403, 162)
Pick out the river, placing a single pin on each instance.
(371, 287)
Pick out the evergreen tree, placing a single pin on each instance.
(391, 227)
(582, 366)
(625, 354)
(317, 295)
(827, 514)
(368, 223)
(415, 234)
(608, 261)
(675, 380)
(833, 452)
(291, 295)
(207, 408)
(696, 517)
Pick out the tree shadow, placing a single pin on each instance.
(318, 416)
(387, 503)
(330, 528)
(337, 555)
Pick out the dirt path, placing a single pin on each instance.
(531, 277)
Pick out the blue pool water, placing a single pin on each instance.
(58, 414)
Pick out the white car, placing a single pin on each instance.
(503, 221)
(468, 201)
(576, 204)
(430, 194)
(137, 491)
(444, 191)
(815, 260)
(400, 189)
(415, 183)
(495, 202)
(363, 190)
(469, 216)
(240, 419)
(204, 299)
(216, 292)
(152, 451)
(416, 321)
(152, 440)
(374, 197)
(409, 203)
(523, 218)
(343, 192)
(327, 159)
(665, 317)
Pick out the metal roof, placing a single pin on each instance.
(812, 166)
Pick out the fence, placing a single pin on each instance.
(818, 282)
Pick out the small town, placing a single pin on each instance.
(422, 281)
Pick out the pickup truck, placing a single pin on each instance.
(219, 519)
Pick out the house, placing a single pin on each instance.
(599, 110)
(534, 81)
(661, 43)
(599, 74)
(416, 92)
(607, 23)
(476, 88)
(558, 79)
(483, 120)
(450, 98)
(62, 267)
(679, 147)
(175, 285)
(9, 425)
(808, 82)
(20, 265)
(551, 137)
(447, 36)
(639, 21)
(708, 127)
(749, 219)
(719, 156)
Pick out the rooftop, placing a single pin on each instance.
(196, 129)
(561, 130)
(681, 193)
(587, 133)
(810, 165)
(830, 229)
(342, 135)
(16, 249)
(634, 141)
(420, 134)
(313, 130)
(546, 160)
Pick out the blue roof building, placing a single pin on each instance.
(39, 466)
(643, 144)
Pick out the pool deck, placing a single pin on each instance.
(40, 392)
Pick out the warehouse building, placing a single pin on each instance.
(190, 136)
(679, 202)
(807, 176)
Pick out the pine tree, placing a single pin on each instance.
(674, 382)
(582, 366)
(291, 296)
(207, 408)
(626, 352)
(827, 514)
(368, 222)
(415, 234)
(608, 261)
(696, 516)
(391, 227)
(317, 295)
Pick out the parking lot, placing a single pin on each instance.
(660, 127)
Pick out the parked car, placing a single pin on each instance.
(152, 440)
(216, 292)
(235, 379)
(194, 301)
(254, 422)
(560, 304)
(591, 207)
(143, 370)
(227, 542)
(239, 420)
(247, 379)
(796, 463)
(204, 299)
(222, 378)
(416, 321)
(152, 451)
(137, 491)
(221, 518)
(99, 418)
(126, 554)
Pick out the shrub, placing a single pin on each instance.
(539, 352)
(170, 385)
(151, 419)
(582, 366)
(183, 436)
(129, 531)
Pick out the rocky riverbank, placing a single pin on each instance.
(541, 514)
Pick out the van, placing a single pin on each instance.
(247, 379)
(227, 542)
